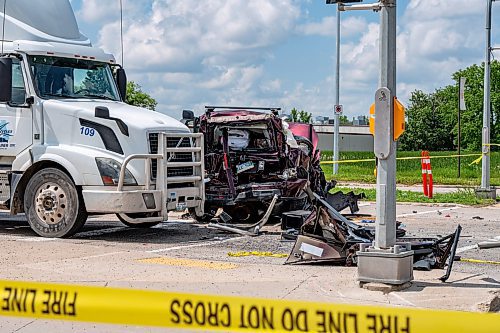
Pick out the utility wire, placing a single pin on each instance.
(121, 28)
(3, 24)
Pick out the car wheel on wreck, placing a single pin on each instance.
(205, 218)
(249, 213)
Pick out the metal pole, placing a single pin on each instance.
(385, 235)
(485, 175)
(459, 129)
(336, 117)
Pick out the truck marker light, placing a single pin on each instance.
(107, 180)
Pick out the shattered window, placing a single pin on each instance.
(254, 137)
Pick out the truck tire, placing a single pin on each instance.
(142, 225)
(53, 206)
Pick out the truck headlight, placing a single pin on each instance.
(110, 172)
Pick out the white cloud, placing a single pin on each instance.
(349, 26)
(105, 11)
(435, 39)
(183, 35)
(189, 53)
(216, 48)
(99, 11)
(326, 27)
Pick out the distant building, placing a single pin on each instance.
(360, 121)
(320, 120)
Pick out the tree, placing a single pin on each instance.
(300, 116)
(343, 120)
(135, 96)
(432, 118)
(472, 119)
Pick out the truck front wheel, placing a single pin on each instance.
(52, 204)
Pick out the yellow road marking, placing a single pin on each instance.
(477, 261)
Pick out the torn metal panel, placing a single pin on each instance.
(340, 200)
(308, 249)
(326, 228)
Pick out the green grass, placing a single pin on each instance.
(444, 170)
(462, 196)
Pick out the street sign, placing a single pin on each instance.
(332, 2)
(337, 110)
(462, 94)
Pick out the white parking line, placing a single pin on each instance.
(195, 245)
(402, 299)
(428, 211)
(466, 248)
(99, 232)
(37, 239)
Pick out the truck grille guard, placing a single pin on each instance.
(163, 167)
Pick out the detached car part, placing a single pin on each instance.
(327, 236)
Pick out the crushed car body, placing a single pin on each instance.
(250, 156)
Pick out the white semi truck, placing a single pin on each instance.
(69, 145)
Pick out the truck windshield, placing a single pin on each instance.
(57, 77)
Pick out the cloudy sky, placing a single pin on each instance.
(281, 53)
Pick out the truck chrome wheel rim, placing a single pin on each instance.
(51, 203)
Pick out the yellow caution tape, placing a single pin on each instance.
(226, 313)
(398, 158)
(257, 254)
(477, 160)
(347, 161)
(477, 261)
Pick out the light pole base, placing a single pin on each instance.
(484, 193)
(392, 266)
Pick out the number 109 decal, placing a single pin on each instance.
(87, 131)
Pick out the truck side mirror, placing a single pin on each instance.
(5, 80)
(102, 112)
(187, 115)
(121, 81)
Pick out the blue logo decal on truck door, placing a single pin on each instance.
(5, 132)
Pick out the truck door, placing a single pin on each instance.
(16, 129)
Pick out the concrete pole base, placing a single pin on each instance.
(483, 193)
(384, 288)
(392, 266)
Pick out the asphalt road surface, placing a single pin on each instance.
(184, 256)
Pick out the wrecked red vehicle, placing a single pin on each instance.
(251, 155)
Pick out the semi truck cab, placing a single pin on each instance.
(70, 146)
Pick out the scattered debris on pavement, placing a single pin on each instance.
(328, 236)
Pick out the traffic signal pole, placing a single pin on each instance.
(336, 116)
(385, 261)
(385, 235)
(486, 190)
